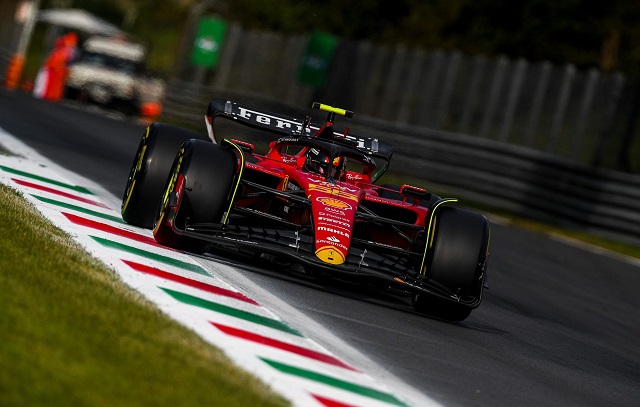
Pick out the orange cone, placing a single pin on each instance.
(14, 71)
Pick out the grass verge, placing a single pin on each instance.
(73, 334)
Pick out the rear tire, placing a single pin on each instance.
(208, 171)
(150, 170)
(457, 262)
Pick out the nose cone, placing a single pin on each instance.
(330, 254)
(333, 216)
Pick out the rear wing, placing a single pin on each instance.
(287, 126)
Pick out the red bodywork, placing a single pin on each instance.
(311, 200)
(333, 202)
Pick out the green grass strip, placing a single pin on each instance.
(333, 382)
(234, 312)
(80, 209)
(153, 256)
(47, 180)
(72, 334)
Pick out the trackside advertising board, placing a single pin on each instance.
(316, 60)
(208, 42)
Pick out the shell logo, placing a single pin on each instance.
(334, 203)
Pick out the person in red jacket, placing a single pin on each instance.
(50, 85)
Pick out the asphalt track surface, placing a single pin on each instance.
(560, 324)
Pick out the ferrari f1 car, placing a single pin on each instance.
(310, 198)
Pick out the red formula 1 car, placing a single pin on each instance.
(310, 198)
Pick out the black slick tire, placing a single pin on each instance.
(207, 171)
(150, 170)
(457, 262)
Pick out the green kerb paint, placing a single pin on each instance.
(153, 256)
(79, 209)
(234, 312)
(333, 382)
(47, 180)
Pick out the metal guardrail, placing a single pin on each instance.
(519, 179)
(516, 178)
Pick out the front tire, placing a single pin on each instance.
(198, 191)
(150, 170)
(458, 260)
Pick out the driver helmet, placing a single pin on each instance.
(316, 161)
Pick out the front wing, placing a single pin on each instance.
(361, 263)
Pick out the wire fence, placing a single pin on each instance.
(578, 115)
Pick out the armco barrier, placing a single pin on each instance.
(519, 179)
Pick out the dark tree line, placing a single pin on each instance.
(588, 33)
(584, 32)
